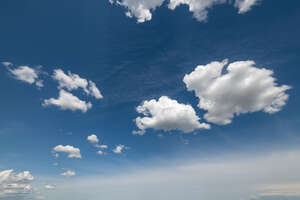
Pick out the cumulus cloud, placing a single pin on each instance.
(67, 101)
(245, 5)
(15, 185)
(72, 81)
(50, 187)
(167, 114)
(244, 88)
(119, 149)
(25, 74)
(68, 173)
(142, 9)
(93, 139)
(70, 150)
(102, 146)
(100, 153)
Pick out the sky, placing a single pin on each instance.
(156, 99)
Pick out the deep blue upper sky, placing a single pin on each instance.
(131, 63)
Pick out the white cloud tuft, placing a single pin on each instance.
(167, 114)
(100, 152)
(15, 185)
(102, 146)
(70, 150)
(67, 101)
(119, 149)
(73, 82)
(245, 5)
(199, 8)
(142, 9)
(93, 139)
(243, 89)
(68, 173)
(50, 187)
(25, 74)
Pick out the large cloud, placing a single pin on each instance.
(67, 101)
(73, 82)
(243, 88)
(167, 114)
(15, 185)
(70, 150)
(142, 9)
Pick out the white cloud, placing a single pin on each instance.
(199, 8)
(94, 91)
(50, 187)
(142, 9)
(25, 74)
(70, 150)
(7, 64)
(68, 173)
(100, 152)
(93, 139)
(119, 149)
(67, 101)
(102, 146)
(244, 88)
(15, 184)
(167, 114)
(72, 81)
(245, 5)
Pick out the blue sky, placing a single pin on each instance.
(182, 149)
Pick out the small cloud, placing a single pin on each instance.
(50, 187)
(68, 173)
(70, 150)
(119, 149)
(93, 139)
(67, 101)
(100, 152)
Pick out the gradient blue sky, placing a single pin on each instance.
(131, 62)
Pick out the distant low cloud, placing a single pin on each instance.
(72, 81)
(68, 173)
(243, 88)
(24, 73)
(167, 114)
(70, 150)
(50, 187)
(119, 149)
(67, 101)
(15, 185)
(142, 9)
(100, 153)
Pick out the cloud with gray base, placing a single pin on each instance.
(242, 88)
(167, 114)
(143, 9)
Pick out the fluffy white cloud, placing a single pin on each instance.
(68, 173)
(244, 88)
(119, 149)
(199, 8)
(142, 9)
(15, 184)
(245, 5)
(7, 64)
(167, 114)
(50, 187)
(25, 74)
(93, 139)
(100, 152)
(73, 82)
(70, 150)
(67, 101)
